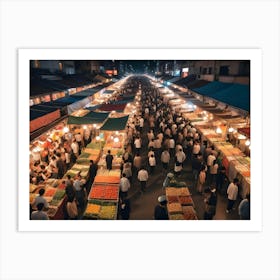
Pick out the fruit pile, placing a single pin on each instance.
(59, 194)
(185, 200)
(174, 207)
(107, 179)
(176, 217)
(104, 192)
(92, 209)
(189, 213)
(108, 212)
(50, 192)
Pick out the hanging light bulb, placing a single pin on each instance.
(65, 129)
(230, 129)
(218, 130)
(247, 143)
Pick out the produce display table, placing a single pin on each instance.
(180, 205)
(237, 165)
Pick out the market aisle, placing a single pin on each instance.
(143, 204)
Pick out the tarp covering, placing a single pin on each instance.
(115, 123)
(44, 120)
(236, 95)
(112, 107)
(78, 105)
(90, 118)
(39, 111)
(107, 91)
(212, 88)
(86, 93)
(93, 108)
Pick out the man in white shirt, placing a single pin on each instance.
(165, 158)
(196, 148)
(124, 186)
(143, 178)
(180, 156)
(137, 144)
(232, 193)
(75, 148)
(152, 163)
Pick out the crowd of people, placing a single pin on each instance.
(171, 142)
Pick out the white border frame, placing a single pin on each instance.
(254, 55)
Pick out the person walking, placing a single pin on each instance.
(232, 193)
(160, 211)
(244, 208)
(72, 209)
(124, 208)
(152, 163)
(91, 174)
(165, 158)
(201, 179)
(143, 178)
(124, 186)
(79, 192)
(213, 173)
(210, 203)
(109, 160)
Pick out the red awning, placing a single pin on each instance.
(112, 107)
(245, 131)
(44, 120)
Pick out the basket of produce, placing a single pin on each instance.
(186, 200)
(51, 211)
(176, 217)
(174, 208)
(189, 213)
(104, 192)
(59, 194)
(108, 212)
(92, 210)
(107, 179)
(172, 199)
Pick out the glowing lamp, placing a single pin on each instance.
(97, 138)
(116, 140)
(65, 129)
(84, 127)
(230, 129)
(218, 130)
(247, 143)
(94, 125)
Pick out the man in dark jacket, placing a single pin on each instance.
(160, 212)
(109, 160)
(91, 174)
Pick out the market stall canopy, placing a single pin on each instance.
(107, 91)
(245, 131)
(212, 88)
(236, 95)
(40, 119)
(87, 92)
(112, 107)
(90, 118)
(115, 123)
(93, 108)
